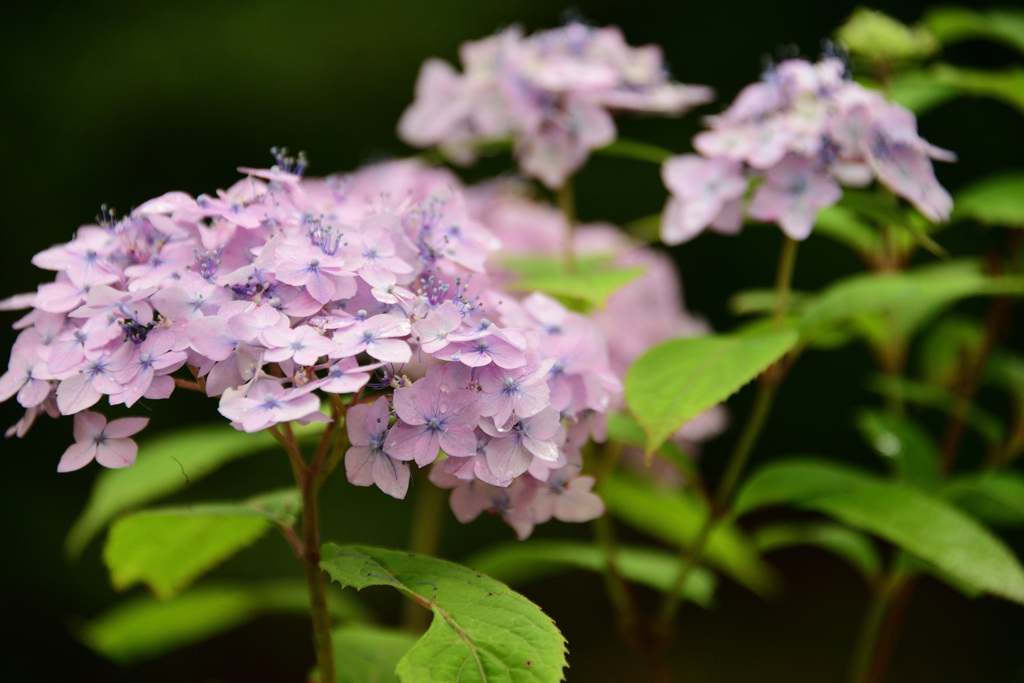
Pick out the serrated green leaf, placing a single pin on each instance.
(481, 632)
(996, 498)
(367, 654)
(591, 281)
(144, 627)
(168, 549)
(996, 200)
(636, 150)
(843, 542)
(679, 379)
(905, 446)
(517, 562)
(925, 526)
(165, 465)
(954, 24)
(676, 518)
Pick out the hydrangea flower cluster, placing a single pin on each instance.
(800, 133)
(651, 306)
(282, 289)
(551, 92)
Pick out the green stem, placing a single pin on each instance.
(784, 279)
(428, 517)
(881, 628)
(308, 480)
(567, 204)
(315, 580)
(766, 388)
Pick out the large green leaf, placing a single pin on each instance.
(925, 89)
(925, 526)
(481, 632)
(515, 562)
(903, 300)
(676, 518)
(681, 378)
(843, 542)
(906, 446)
(165, 465)
(993, 497)
(954, 24)
(168, 549)
(997, 200)
(144, 627)
(367, 654)
(588, 284)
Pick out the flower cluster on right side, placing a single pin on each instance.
(799, 134)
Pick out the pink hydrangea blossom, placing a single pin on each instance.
(804, 130)
(281, 289)
(551, 92)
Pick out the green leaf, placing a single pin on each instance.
(925, 526)
(925, 89)
(996, 200)
(1006, 86)
(679, 379)
(636, 150)
(517, 562)
(367, 654)
(955, 24)
(168, 549)
(676, 518)
(144, 627)
(919, 91)
(165, 465)
(906, 446)
(877, 37)
(843, 542)
(590, 282)
(625, 430)
(931, 396)
(1006, 369)
(481, 631)
(950, 349)
(902, 300)
(883, 208)
(844, 226)
(762, 301)
(996, 498)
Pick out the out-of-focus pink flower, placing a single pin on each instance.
(551, 92)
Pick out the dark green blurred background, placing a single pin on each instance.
(116, 102)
